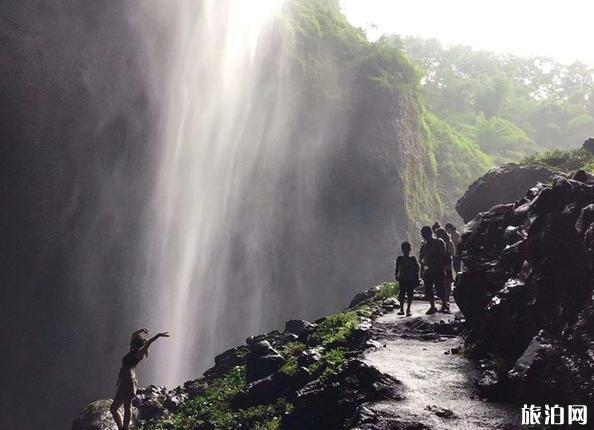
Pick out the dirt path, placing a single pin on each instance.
(436, 380)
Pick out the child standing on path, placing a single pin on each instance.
(407, 275)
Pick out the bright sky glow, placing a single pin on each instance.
(561, 29)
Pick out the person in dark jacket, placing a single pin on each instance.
(457, 239)
(127, 381)
(407, 276)
(434, 259)
(442, 234)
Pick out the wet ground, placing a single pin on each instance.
(439, 385)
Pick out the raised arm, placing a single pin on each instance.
(144, 350)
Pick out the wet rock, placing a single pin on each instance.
(390, 304)
(96, 416)
(155, 401)
(261, 391)
(175, 402)
(262, 360)
(360, 336)
(504, 184)
(489, 384)
(589, 145)
(583, 176)
(537, 350)
(299, 327)
(368, 419)
(341, 395)
(309, 357)
(365, 296)
(527, 292)
(585, 219)
(151, 409)
(195, 388)
(441, 412)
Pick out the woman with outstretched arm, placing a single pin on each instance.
(127, 381)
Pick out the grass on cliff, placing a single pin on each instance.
(213, 409)
(389, 289)
(336, 329)
(330, 337)
(565, 161)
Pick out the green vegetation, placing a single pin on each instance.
(474, 109)
(389, 289)
(213, 408)
(565, 161)
(367, 86)
(459, 159)
(290, 352)
(336, 329)
(510, 106)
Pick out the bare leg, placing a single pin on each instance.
(114, 408)
(409, 300)
(127, 414)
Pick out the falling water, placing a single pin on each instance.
(234, 189)
(206, 167)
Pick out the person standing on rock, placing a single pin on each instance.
(434, 258)
(456, 238)
(127, 381)
(406, 274)
(442, 234)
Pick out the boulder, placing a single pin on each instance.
(310, 356)
(527, 292)
(96, 416)
(488, 384)
(503, 184)
(299, 327)
(365, 296)
(227, 360)
(262, 360)
(341, 394)
(589, 145)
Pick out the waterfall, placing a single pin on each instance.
(234, 189)
(207, 167)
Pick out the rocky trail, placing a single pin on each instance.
(439, 382)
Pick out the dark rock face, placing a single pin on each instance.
(95, 416)
(365, 296)
(589, 145)
(343, 393)
(527, 293)
(298, 327)
(227, 360)
(262, 361)
(504, 184)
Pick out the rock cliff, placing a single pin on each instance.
(527, 292)
(503, 184)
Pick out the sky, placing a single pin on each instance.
(561, 29)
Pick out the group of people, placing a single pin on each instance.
(438, 261)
